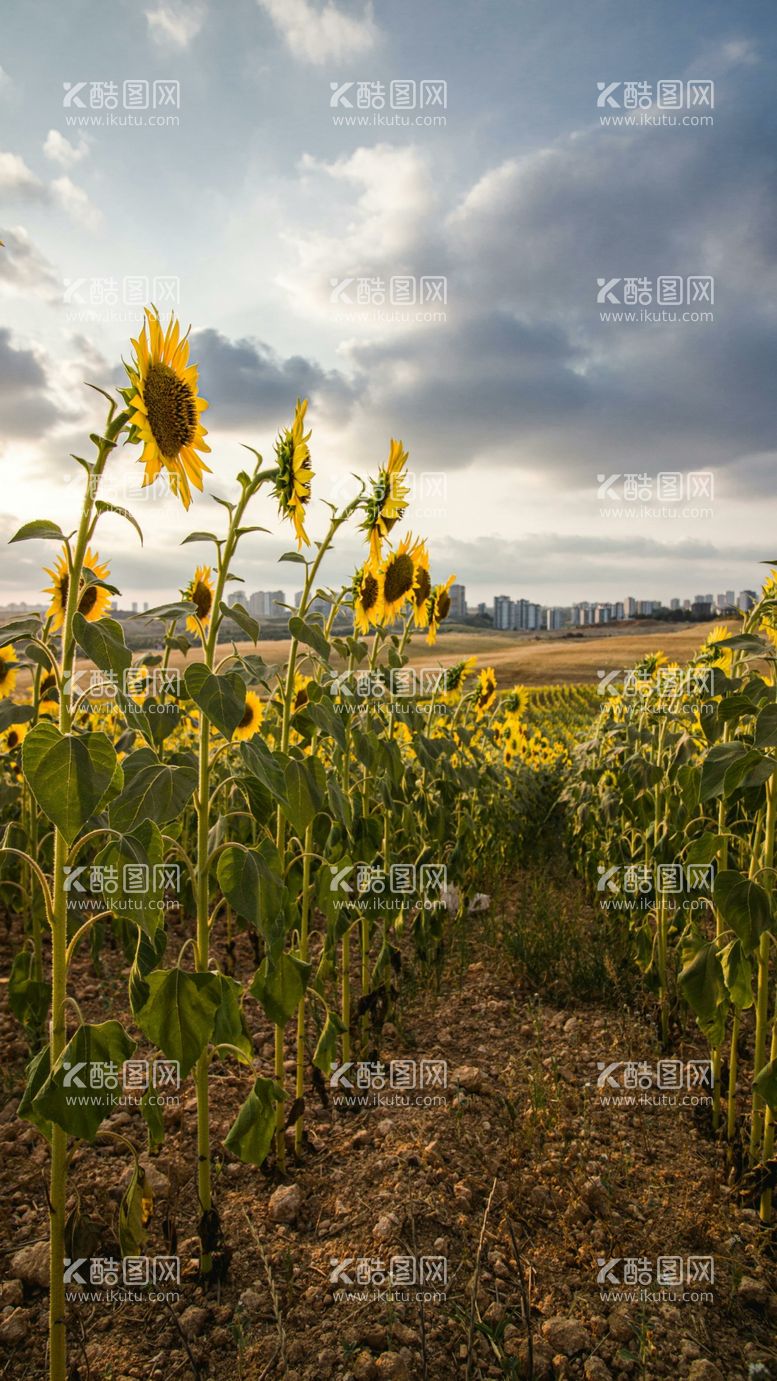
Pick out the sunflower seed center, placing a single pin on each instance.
(400, 574)
(170, 405)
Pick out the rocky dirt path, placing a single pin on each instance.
(515, 1187)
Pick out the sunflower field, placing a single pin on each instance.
(168, 814)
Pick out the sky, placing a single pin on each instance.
(431, 220)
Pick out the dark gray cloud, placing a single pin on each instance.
(25, 406)
(247, 382)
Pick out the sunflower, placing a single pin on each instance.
(712, 653)
(14, 737)
(7, 670)
(93, 600)
(252, 718)
(455, 676)
(387, 504)
(516, 703)
(486, 691)
(438, 608)
(165, 407)
(367, 599)
(399, 574)
(422, 588)
(300, 697)
(200, 591)
(292, 485)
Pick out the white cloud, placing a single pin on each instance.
(17, 178)
(24, 270)
(175, 26)
(60, 150)
(318, 35)
(75, 202)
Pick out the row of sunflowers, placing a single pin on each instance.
(283, 796)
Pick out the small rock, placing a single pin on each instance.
(11, 1293)
(621, 1327)
(385, 1126)
(193, 1321)
(392, 1367)
(596, 1370)
(596, 1197)
(542, 1359)
(753, 1293)
(467, 1077)
(363, 1367)
(570, 1026)
(566, 1336)
(360, 1138)
(387, 1227)
(14, 1328)
(251, 1302)
(285, 1203)
(702, 1370)
(31, 1265)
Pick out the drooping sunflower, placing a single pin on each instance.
(93, 600)
(486, 691)
(438, 608)
(200, 591)
(367, 599)
(388, 501)
(292, 485)
(399, 574)
(713, 655)
(252, 718)
(516, 703)
(166, 409)
(7, 670)
(422, 588)
(455, 676)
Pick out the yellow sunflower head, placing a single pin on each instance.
(93, 601)
(366, 591)
(252, 718)
(455, 676)
(399, 574)
(292, 485)
(516, 702)
(438, 608)
(388, 501)
(165, 407)
(200, 592)
(14, 737)
(300, 697)
(711, 654)
(486, 691)
(7, 670)
(422, 589)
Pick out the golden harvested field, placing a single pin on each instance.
(542, 660)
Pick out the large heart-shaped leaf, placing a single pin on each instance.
(280, 986)
(253, 889)
(250, 1136)
(230, 1026)
(179, 1013)
(136, 863)
(305, 791)
(85, 1082)
(153, 790)
(103, 642)
(221, 698)
(68, 774)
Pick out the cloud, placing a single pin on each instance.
(176, 25)
(247, 382)
(26, 408)
(324, 33)
(16, 179)
(61, 151)
(5, 82)
(24, 269)
(75, 203)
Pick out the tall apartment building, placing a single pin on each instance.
(458, 594)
